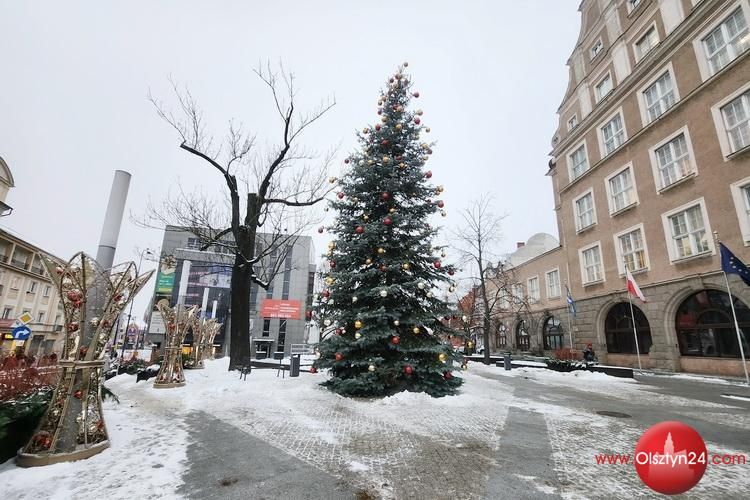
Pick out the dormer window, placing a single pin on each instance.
(573, 122)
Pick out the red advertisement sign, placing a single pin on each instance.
(285, 309)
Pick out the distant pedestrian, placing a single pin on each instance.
(53, 359)
(588, 353)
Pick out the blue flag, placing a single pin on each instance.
(730, 264)
(571, 302)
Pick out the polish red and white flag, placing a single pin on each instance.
(633, 288)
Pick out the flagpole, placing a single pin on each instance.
(731, 304)
(736, 327)
(632, 315)
(570, 323)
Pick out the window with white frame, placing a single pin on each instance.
(32, 287)
(572, 122)
(632, 4)
(591, 264)
(598, 46)
(585, 212)
(7, 312)
(578, 162)
(47, 290)
(736, 116)
(621, 190)
(727, 41)
(673, 161)
(553, 284)
(604, 87)
(647, 42)
(533, 287)
(632, 249)
(741, 195)
(517, 292)
(688, 232)
(659, 97)
(40, 317)
(613, 134)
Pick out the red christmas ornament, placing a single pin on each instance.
(408, 369)
(74, 295)
(385, 195)
(387, 221)
(416, 94)
(332, 264)
(383, 268)
(78, 394)
(398, 158)
(451, 272)
(384, 142)
(106, 323)
(390, 80)
(321, 229)
(447, 375)
(339, 356)
(339, 331)
(440, 203)
(341, 196)
(377, 127)
(326, 293)
(73, 327)
(417, 120)
(313, 369)
(395, 340)
(428, 174)
(429, 151)
(437, 264)
(346, 160)
(380, 111)
(359, 230)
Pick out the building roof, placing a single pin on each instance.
(536, 245)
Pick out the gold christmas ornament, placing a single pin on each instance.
(406, 266)
(415, 330)
(420, 285)
(368, 261)
(386, 159)
(357, 335)
(396, 322)
(420, 112)
(429, 295)
(391, 210)
(384, 119)
(327, 322)
(365, 217)
(381, 250)
(331, 245)
(358, 324)
(370, 162)
(329, 281)
(332, 180)
(354, 299)
(384, 293)
(365, 130)
(371, 368)
(399, 126)
(402, 165)
(442, 357)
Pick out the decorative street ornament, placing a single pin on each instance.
(92, 299)
(203, 338)
(179, 320)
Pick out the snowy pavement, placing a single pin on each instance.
(527, 433)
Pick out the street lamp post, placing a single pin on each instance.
(130, 313)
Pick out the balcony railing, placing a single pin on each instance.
(3, 258)
(18, 263)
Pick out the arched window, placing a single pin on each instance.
(705, 326)
(522, 336)
(618, 328)
(553, 334)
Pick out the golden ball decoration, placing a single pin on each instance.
(368, 261)
(371, 368)
(381, 250)
(327, 322)
(332, 180)
(442, 357)
(399, 126)
(358, 324)
(384, 119)
(365, 217)
(402, 165)
(420, 112)
(415, 330)
(406, 266)
(365, 130)
(329, 281)
(357, 335)
(331, 245)
(386, 159)
(354, 299)
(370, 162)
(396, 322)
(391, 210)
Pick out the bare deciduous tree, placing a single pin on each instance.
(266, 191)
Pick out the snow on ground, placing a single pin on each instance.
(145, 460)
(408, 445)
(697, 378)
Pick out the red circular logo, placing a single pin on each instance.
(670, 457)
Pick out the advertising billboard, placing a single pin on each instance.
(284, 309)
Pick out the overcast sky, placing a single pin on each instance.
(75, 76)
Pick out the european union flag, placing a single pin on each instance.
(730, 264)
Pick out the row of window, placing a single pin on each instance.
(32, 287)
(687, 232)
(720, 46)
(40, 316)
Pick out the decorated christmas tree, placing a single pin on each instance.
(380, 311)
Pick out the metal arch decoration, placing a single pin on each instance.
(178, 320)
(73, 427)
(203, 338)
